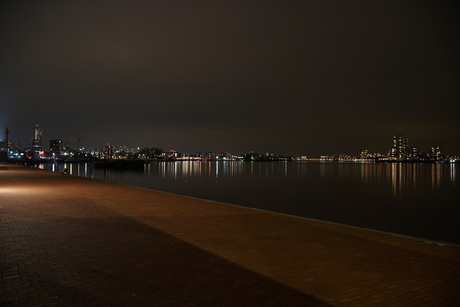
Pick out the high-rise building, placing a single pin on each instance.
(415, 153)
(400, 149)
(37, 140)
(56, 145)
(109, 149)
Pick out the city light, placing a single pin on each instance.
(59, 151)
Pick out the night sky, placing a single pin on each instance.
(286, 77)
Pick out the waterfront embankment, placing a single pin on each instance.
(71, 240)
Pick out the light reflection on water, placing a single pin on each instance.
(421, 200)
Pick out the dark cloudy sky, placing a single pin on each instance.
(288, 77)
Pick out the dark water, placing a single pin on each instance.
(421, 200)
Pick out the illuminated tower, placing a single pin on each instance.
(400, 149)
(37, 140)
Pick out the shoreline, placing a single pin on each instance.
(436, 239)
(419, 239)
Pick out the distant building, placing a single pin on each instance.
(5, 145)
(56, 145)
(211, 155)
(400, 149)
(109, 150)
(37, 140)
(437, 153)
(415, 153)
(364, 153)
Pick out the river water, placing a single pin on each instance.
(420, 200)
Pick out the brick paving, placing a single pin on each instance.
(75, 241)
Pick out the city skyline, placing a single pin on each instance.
(298, 78)
(402, 149)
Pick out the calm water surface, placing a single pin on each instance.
(421, 200)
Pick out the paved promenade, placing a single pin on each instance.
(75, 241)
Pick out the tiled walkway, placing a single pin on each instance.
(75, 241)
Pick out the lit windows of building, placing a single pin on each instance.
(437, 153)
(415, 153)
(364, 153)
(37, 140)
(400, 149)
(109, 151)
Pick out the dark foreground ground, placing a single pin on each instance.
(75, 241)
